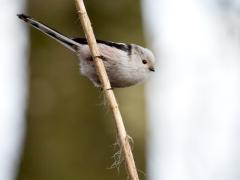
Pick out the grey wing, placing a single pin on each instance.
(116, 62)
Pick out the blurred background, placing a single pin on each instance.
(185, 121)
(70, 134)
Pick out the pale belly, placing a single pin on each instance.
(118, 78)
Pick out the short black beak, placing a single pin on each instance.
(152, 69)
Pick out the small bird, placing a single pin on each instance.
(126, 64)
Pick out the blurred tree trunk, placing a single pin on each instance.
(70, 132)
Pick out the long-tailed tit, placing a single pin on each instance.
(126, 64)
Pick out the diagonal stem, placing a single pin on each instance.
(102, 74)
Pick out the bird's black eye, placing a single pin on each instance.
(144, 61)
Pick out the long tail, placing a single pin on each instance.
(67, 42)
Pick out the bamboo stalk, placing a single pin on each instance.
(102, 74)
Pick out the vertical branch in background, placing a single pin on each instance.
(102, 74)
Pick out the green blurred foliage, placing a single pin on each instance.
(70, 133)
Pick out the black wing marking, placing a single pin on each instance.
(124, 47)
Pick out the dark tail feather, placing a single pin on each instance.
(67, 42)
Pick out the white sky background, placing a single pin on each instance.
(13, 86)
(194, 97)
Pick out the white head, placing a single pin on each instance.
(147, 59)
